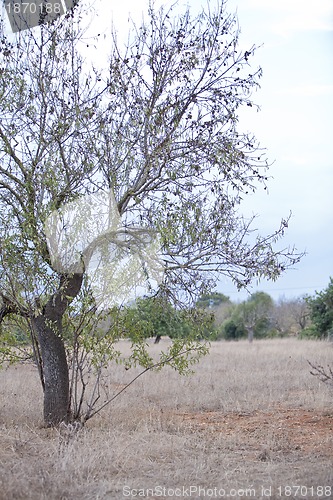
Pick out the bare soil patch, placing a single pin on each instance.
(307, 431)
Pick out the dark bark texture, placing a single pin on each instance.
(55, 370)
(48, 329)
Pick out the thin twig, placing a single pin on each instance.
(156, 365)
(324, 374)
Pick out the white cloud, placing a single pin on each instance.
(301, 20)
(286, 17)
(310, 90)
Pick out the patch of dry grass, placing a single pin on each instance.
(251, 416)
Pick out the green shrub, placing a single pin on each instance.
(321, 311)
(232, 331)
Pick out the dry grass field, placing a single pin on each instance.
(251, 423)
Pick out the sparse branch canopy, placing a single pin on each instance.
(172, 151)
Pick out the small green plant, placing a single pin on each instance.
(92, 338)
(15, 342)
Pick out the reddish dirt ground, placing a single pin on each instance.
(279, 430)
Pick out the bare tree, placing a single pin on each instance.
(158, 130)
(291, 316)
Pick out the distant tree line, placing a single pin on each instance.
(260, 317)
(257, 317)
(215, 317)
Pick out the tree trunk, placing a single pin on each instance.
(54, 369)
(48, 328)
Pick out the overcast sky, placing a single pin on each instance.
(294, 124)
